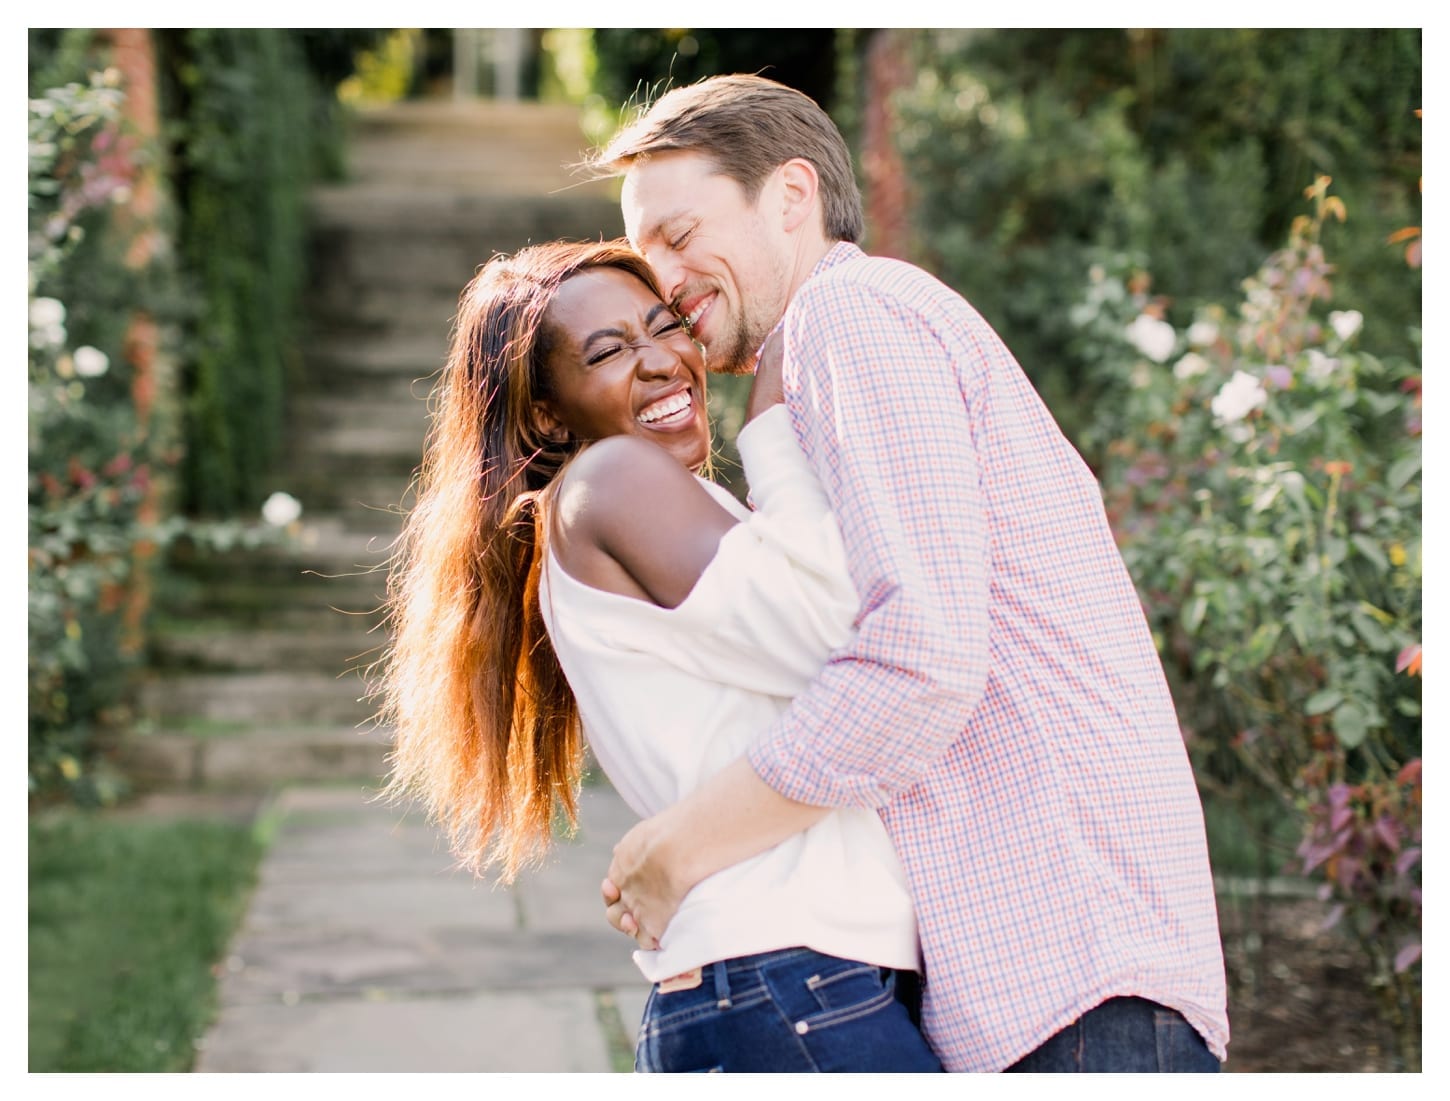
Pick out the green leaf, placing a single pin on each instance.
(1410, 708)
(1301, 621)
(1261, 642)
(1371, 550)
(1402, 471)
(1193, 613)
(1351, 725)
(1326, 699)
(1375, 636)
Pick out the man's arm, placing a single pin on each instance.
(884, 420)
(727, 819)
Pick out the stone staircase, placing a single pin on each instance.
(258, 674)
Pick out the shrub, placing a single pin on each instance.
(1263, 478)
(90, 462)
(1032, 152)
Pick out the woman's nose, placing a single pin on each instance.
(657, 359)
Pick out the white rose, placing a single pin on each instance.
(90, 362)
(1345, 323)
(1202, 333)
(1154, 338)
(45, 312)
(1190, 366)
(1320, 366)
(281, 509)
(1238, 397)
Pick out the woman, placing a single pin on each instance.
(565, 565)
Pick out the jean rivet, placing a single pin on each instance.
(802, 1027)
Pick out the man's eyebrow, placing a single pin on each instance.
(662, 225)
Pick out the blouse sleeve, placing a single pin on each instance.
(777, 598)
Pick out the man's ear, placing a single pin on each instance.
(800, 186)
(547, 424)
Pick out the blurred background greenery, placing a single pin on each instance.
(1145, 215)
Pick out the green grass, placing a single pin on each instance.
(127, 919)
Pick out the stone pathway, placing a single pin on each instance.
(363, 949)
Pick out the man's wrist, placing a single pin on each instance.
(675, 852)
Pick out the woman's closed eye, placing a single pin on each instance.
(599, 355)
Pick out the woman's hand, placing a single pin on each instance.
(640, 894)
(769, 387)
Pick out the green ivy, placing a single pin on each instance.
(252, 127)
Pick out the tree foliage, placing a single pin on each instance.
(1033, 153)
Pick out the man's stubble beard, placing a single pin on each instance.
(735, 354)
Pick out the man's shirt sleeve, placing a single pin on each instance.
(885, 415)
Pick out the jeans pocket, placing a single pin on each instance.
(846, 992)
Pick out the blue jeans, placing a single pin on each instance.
(794, 1010)
(1123, 1035)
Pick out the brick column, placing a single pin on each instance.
(887, 194)
(139, 234)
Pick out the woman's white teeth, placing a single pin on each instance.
(677, 403)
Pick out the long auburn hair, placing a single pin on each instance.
(486, 730)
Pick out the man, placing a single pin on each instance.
(1002, 705)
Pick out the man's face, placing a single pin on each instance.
(720, 259)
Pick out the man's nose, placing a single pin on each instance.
(668, 270)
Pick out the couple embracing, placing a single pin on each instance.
(912, 790)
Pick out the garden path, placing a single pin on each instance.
(362, 948)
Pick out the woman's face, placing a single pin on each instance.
(622, 363)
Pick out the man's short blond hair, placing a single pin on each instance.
(748, 126)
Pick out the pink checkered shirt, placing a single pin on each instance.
(1002, 705)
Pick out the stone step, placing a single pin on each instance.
(356, 260)
(258, 760)
(370, 496)
(505, 148)
(218, 646)
(258, 700)
(395, 362)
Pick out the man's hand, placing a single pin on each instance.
(729, 818)
(769, 387)
(640, 892)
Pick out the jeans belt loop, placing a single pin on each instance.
(722, 985)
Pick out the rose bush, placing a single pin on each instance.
(1263, 476)
(93, 516)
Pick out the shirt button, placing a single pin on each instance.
(802, 1027)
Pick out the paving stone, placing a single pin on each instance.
(555, 1031)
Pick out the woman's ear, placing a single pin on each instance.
(547, 424)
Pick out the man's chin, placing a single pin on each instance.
(738, 360)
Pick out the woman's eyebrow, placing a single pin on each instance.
(600, 334)
(649, 318)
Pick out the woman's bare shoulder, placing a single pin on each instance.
(633, 501)
(616, 472)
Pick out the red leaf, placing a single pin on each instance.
(1406, 956)
(1409, 660)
